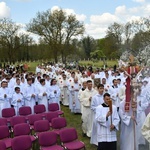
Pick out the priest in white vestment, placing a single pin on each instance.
(63, 84)
(86, 98)
(74, 101)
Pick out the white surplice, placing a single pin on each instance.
(4, 102)
(96, 101)
(29, 100)
(15, 103)
(43, 99)
(103, 125)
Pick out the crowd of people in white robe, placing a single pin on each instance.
(55, 84)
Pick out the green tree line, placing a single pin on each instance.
(62, 38)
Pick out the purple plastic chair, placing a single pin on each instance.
(50, 115)
(17, 120)
(21, 143)
(2, 145)
(23, 129)
(69, 138)
(8, 113)
(25, 111)
(41, 126)
(54, 107)
(32, 118)
(5, 136)
(58, 124)
(40, 109)
(3, 121)
(48, 141)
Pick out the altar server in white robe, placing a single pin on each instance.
(86, 98)
(142, 104)
(43, 94)
(128, 121)
(4, 96)
(107, 125)
(17, 100)
(96, 101)
(114, 92)
(74, 101)
(146, 129)
(30, 94)
(54, 92)
(63, 84)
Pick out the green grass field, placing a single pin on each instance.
(99, 64)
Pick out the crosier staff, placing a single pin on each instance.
(110, 109)
(131, 92)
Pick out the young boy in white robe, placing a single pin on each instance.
(96, 101)
(107, 125)
(54, 92)
(5, 96)
(30, 94)
(43, 94)
(17, 100)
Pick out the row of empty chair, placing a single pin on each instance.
(47, 141)
(26, 110)
(37, 126)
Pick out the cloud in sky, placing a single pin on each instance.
(80, 17)
(4, 10)
(139, 1)
(97, 24)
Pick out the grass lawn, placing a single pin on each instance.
(110, 63)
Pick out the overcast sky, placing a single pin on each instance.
(97, 15)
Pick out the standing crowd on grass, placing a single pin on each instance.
(86, 91)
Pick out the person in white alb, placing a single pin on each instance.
(107, 125)
(43, 94)
(4, 96)
(96, 101)
(30, 95)
(17, 100)
(63, 84)
(86, 98)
